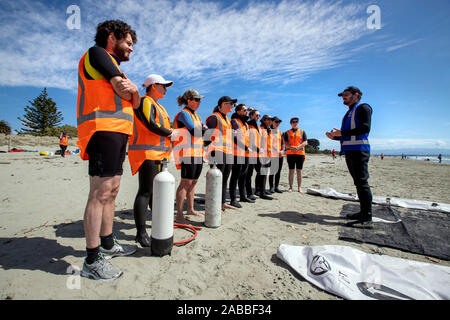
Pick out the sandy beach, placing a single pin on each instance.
(42, 200)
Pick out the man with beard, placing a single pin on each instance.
(106, 99)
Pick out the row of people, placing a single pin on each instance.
(112, 115)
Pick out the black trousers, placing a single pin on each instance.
(225, 168)
(147, 172)
(277, 174)
(261, 175)
(238, 174)
(254, 165)
(357, 164)
(63, 150)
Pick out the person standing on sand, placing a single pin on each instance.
(149, 145)
(188, 151)
(278, 153)
(106, 99)
(296, 141)
(64, 142)
(353, 135)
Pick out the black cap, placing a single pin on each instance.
(266, 116)
(352, 90)
(294, 118)
(226, 99)
(276, 119)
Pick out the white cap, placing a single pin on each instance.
(155, 78)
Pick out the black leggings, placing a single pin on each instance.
(225, 168)
(277, 175)
(238, 173)
(248, 177)
(147, 172)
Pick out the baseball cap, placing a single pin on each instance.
(192, 94)
(276, 119)
(156, 78)
(266, 116)
(294, 118)
(352, 90)
(226, 99)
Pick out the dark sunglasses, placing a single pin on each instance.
(196, 99)
(295, 121)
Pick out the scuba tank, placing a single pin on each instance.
(162, 212)
(213, 197)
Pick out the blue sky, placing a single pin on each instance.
(285, 58)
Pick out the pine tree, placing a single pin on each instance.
(41, 115)
(5, 128)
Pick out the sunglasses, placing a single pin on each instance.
(295, 121)
(196, 99)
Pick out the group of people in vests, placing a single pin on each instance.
(113, 117)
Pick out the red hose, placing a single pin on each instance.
(190, 228)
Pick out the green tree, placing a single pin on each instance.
(5, 128)
(314, 143)
(56, 132)
(41, 115)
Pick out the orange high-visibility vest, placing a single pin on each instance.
(99, 108)
(221, 136)
(187, 145)
(277, 137)
(254, 140)
(242, 139)
(146, 145)
(64, 141)
(295, 139)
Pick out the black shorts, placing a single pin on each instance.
(191, 169)
(295, 161)
(107, 152)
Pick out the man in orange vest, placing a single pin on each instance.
(296, 141)
(64, 142)
(106, 98)
(277, 155)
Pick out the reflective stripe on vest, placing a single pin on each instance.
(353, 143)
(295, 141)
(99, 108)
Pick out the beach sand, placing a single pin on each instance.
(42, 201)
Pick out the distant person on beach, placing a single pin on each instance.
(64, 142)
(333, 154)
(295, 139)
(353, 135)
(382, 156)
(148, 146)
(188, 151)
(106, 99)
(440, 158)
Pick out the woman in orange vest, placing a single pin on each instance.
(64, 142)
(220, 142)
(188, 151)
(264, 158)
(148, 146)
(254, 144)
(296, 141)
(241, 152)
(277, 155)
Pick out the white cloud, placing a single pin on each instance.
(197, 41)
(402, 45)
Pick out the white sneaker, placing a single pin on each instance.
(100, 269)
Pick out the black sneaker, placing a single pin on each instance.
(236, 204)
(278, 190)
(354, 216)
(362, 224)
